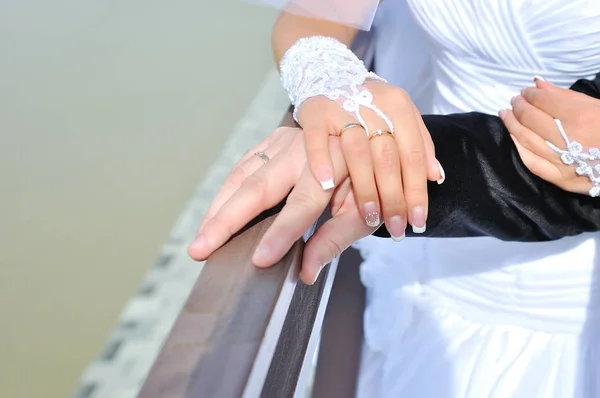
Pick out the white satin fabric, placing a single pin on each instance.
(477, 317)
(356, 13)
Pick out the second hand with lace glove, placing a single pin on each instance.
(557, 133)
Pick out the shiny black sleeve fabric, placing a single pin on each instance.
(488, 190)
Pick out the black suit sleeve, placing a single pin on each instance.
(488, 190)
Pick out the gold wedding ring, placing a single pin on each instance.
(348, 127)
(379, 133)
(263, 156)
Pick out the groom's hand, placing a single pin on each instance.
(254, 187)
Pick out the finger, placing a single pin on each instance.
(304, 205)
(527, 138)
(329, 241)
(533, 127)
(554, 104)
(248, 164)
(536, 164)
(357, 155)
(317, 131)
(339, 195)
(543, 84)
(231, 184)
(413, 164)
(435, 171)
(260, 191)
(386, 162)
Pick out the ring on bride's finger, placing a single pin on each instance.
(348, 127)
(263, 156)
(379, 133)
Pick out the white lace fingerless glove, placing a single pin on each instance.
(321, 65)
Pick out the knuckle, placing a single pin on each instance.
(236, 177)
(566, 174)
(415, 193)
(519, 111)
(303, 199)
(220, 224)
(416, 158)
(522, 114)
(533, 167)
(584, 118)
(318, 156)
(388, 157)
(335, 249)
(255, 185)
(280, 132)
(354, 147)
(398, 94)
(416, 196)
(524, 139)
(394, 207)
(531, 95)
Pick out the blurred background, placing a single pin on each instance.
(111, 114)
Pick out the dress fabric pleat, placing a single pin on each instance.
(479, 317)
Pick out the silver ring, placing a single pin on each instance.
(263, 156)
(348, 127)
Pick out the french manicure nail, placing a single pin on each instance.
(325, 175)
(396, 226)
(442, 172)
(418, 220)
(371, 214)
(502, 114)
(327, 185)
(538, 77)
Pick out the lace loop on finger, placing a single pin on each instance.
(574, 155)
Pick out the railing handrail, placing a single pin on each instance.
(245, 331)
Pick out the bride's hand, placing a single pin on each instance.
(254, 186)
(532, 126)
(389, 173)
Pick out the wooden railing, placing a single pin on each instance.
(250, 332)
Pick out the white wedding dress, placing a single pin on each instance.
(478, 317)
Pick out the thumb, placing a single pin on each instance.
(330, 240)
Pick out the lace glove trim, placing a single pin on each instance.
(575, 156)
(323, 66)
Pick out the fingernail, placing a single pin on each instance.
(325, 175)
(538, 77)
(261, 254)
(396, 226)
(371, 213)
(418, 220)
(442, 172)
(502, 114)
(318, 273)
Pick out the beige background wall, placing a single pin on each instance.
(110, 112)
